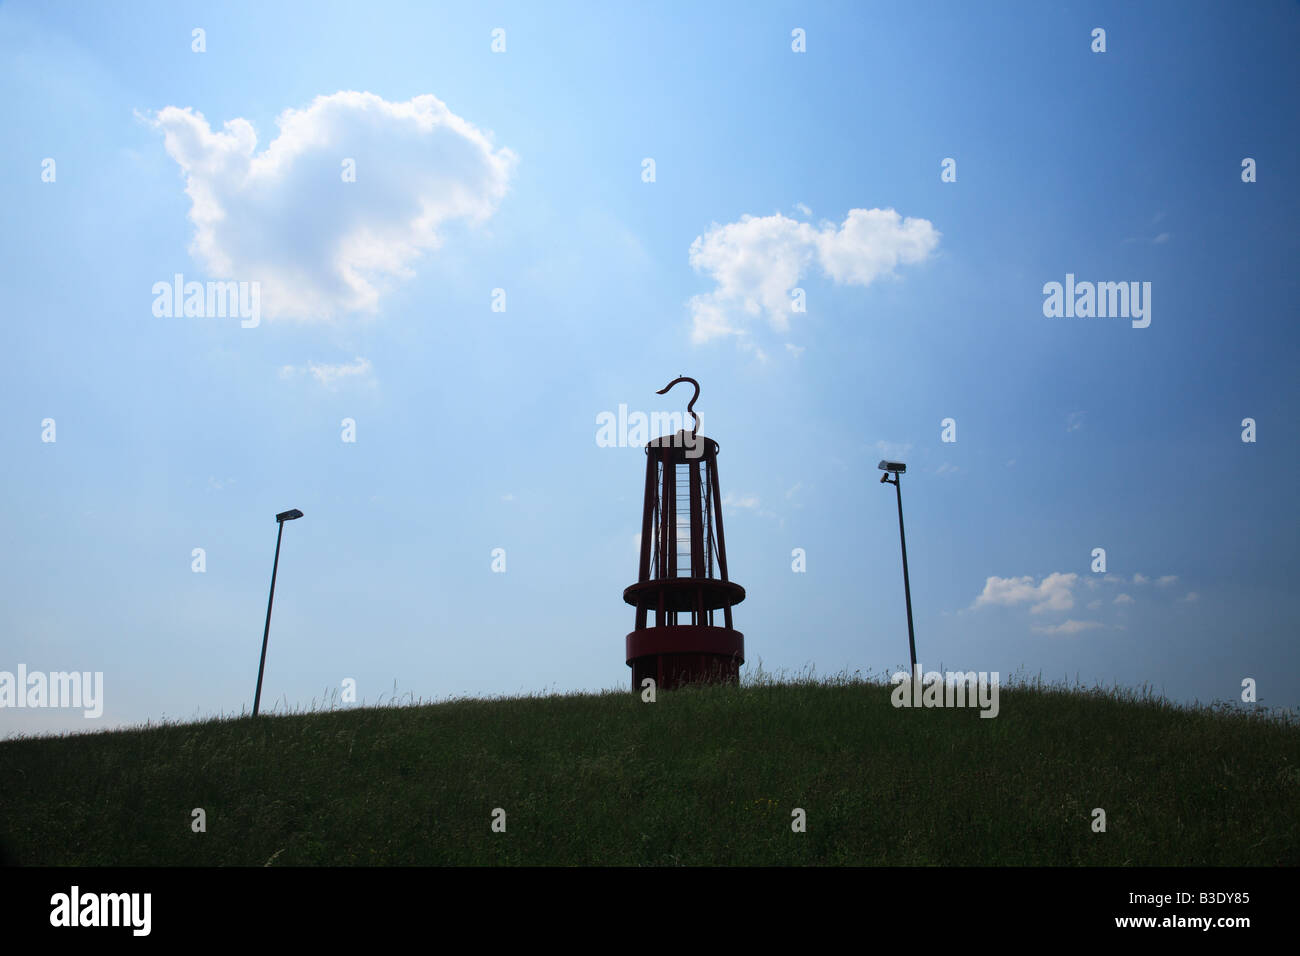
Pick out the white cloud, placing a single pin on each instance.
(795, 350)
(732, 500)
(758, 260)
(946, 469)
(803, 209)
(1141, 579)
(331, 376)
(1074, 421)
(1192, 597)
(1167, 580)
(285, 217)
(1067, 627)
(1123, 599)
(1053, 593)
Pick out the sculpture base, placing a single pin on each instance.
(680, 654)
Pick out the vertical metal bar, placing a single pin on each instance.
(647, 519)
(647, 533)
(697, 541)
(670, 511)
(717, 519)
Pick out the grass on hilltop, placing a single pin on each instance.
(702, 776)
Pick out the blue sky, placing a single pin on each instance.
(475, 428)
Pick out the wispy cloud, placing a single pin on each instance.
(893, 450)
(331, 376)
(1067, 627)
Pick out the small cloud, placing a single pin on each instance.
(946, 469)
(1074, 421)
(1093, 605)
(807, 213)
(508, 497)
(1011, 463)
(1067, 627)
(1166, 580)
(795, 350)
(791, 492)
(1053, 593)
(1123, 599)
(1163, 237)
(1191, 597)
(216, 484)
(1141, 579)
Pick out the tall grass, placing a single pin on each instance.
(705, 775)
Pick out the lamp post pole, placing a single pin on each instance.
(897, 468)
(280, 519)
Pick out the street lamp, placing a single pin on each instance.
(280, 519)
(897, 468)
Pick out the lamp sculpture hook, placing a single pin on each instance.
(690, 406)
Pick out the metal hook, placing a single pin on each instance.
(690, 406)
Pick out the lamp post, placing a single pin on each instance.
(280, 519)
(897, 468)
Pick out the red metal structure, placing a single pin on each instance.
(683, 578)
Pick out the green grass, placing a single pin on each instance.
(702, 776)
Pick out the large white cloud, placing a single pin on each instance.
(319, 245)
(758, 260)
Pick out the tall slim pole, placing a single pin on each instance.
(907, 587)
(257, 698)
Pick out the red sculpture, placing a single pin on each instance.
(683, 576)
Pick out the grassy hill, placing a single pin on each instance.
(702, 776)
